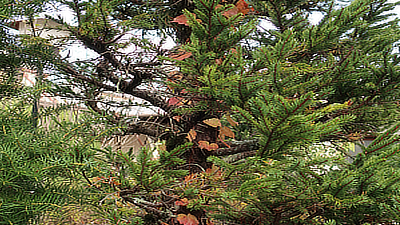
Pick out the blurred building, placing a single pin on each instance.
(43, 27)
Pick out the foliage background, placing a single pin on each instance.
(239, 113)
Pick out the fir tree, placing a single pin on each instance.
(259, 118)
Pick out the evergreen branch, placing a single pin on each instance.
(271, 134)
(278, 16)
(342, 187)
(386, 134)
(148, 206)
(363, 183)
(90, 182)
(284, 44)
(239, 156)
(383, 146)
(138, 129)
(342, 60)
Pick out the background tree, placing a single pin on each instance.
(9, 60)
(41, 167)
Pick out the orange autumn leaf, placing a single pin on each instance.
(116, 183)
(96, 179)
(213, 146)
(225, 131)
(182, 202)
(214, 173)
(189, 178)
(177, 118)
(213, 122)
(175, 75)
(209, 222)
(175, 101)
(162, 147)
(180, 55)
(243, 7)
(213, 170)
(240, 7)
(231, 121)
(218, 6)
(178, 101)
(354, 136)
(209, 171)
(203, 144)
(349, 103)
(231, 12)
(208, 146)
(188, 219)
(182, 19)
(191, 135)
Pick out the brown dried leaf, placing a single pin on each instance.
(203, 144)
(225, 131)
(240, 7)
(188, 219)
(191, 135)
(189, 178)
(231, 12)
(177, 118)
(231, 121)
(180, 55)
(218, 6)
(162, 147)
(206, 145)
(212, 146)
(209, 222)
(214, 171)
(213, 122)
(175, 101)
(354, 136)
(243, 7)
(182, 19)
(182, 202)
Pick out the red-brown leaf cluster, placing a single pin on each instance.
(188, 219)
(240, 7)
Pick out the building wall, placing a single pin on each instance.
(43, 27)
(127, 142)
